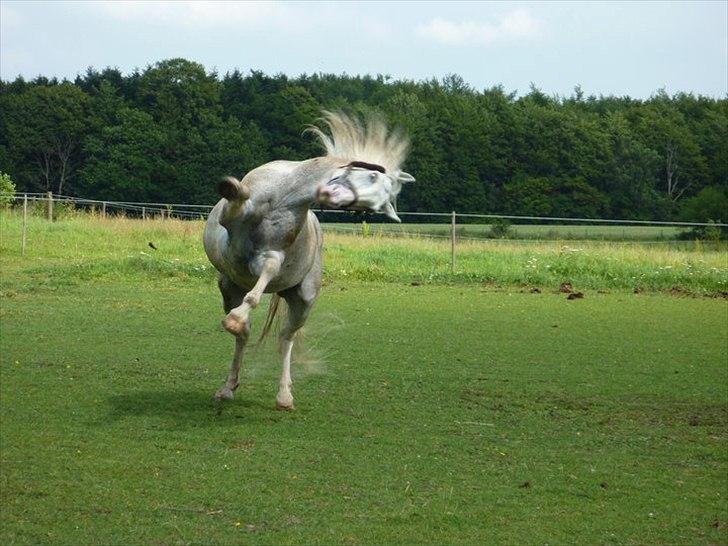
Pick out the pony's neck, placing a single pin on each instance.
(299, 189)
(289, 187)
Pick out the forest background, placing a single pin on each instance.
(168, 132)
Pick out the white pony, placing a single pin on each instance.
(262, 237)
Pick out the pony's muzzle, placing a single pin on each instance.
(335, 195)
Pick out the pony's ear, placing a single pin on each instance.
(405, 178)
(389, 212)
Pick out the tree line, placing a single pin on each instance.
(168, 132)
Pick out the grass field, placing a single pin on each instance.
(447, 412)
(77, 249)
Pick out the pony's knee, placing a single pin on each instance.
(252, 299)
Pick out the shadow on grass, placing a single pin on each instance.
(188, 408)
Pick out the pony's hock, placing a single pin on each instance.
(262, 237)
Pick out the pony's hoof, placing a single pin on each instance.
(233, 325)
(224, 393)
(284, 402)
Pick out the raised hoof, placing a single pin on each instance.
(234, 326)
(224, 393)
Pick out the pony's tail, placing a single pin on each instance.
(275, 302)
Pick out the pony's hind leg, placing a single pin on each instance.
(299, 302)
(232, 296)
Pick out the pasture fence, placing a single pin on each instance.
(455, 226)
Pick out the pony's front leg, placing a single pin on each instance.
(237, 321)
(231, 383)
(232, 296)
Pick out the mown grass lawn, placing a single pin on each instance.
(447, 412)
(424, 415)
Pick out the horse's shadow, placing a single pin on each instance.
(184, 408)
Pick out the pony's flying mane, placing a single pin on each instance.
(350, 140)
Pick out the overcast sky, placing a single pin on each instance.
(622, 48)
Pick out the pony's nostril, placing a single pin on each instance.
(325, 193)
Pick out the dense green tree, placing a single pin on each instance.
(710, 204)
(184, 102)
(43, 130)
(407, 111)
(288, 113)
(549, 196)
(106, 103)
(682, 168)
(630, 181)
(228, 148)
(125, 160)
(7, 189)
(178, 93)
(528, 196)
(167, 132)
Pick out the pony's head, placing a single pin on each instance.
(363, 186)
(370, 175)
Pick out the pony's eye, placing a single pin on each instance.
(373, 176)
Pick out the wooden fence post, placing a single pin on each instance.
(25, 224)
(452, 244)
(50, 206)
(144, 213)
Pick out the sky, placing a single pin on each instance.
(610, 48)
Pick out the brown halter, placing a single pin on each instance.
(367, 166)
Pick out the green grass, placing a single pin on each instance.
(444, 413)
(545, 265)
(80, 249)
(429, 415)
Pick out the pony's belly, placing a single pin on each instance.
(294, 268)
(235, 260)
(289, 276)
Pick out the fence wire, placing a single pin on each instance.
(428, 225)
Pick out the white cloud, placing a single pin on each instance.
(513, 26)
(193, 13)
